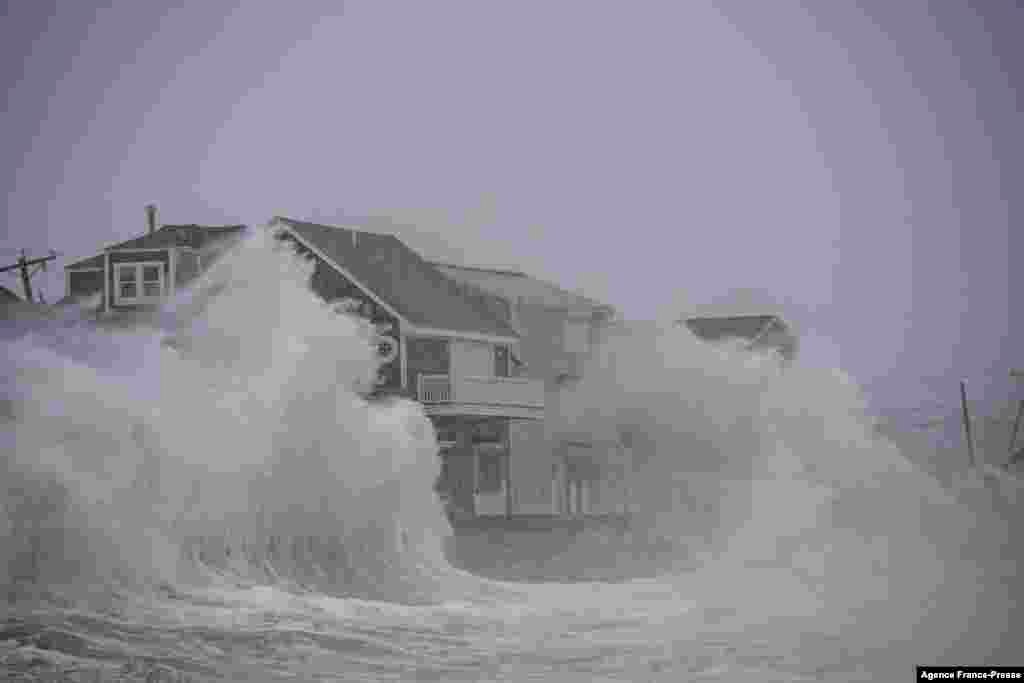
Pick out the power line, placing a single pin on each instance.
(24, 265)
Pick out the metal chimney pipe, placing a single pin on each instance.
(151, 217)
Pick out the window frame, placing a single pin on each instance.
(139, 268)
(508, 360)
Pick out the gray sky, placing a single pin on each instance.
(857, 166)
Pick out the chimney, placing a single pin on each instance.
(151, 217)
(355, 239)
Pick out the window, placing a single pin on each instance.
(152, 281)
(447, 432)
(138, 282)
(493, 431)
(502, 361)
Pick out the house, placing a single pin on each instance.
(452, 349)
(558, 331)
(757, 332)
(136, 274)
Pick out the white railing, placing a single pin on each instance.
(513, 391)
(434, 389)
(494, 391)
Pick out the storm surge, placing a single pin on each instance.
(222, 439)
(223, 446)
(772, 482)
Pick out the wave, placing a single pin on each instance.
(223, 436)
(223, 441)
(755, 469)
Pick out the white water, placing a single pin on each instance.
(209, 493)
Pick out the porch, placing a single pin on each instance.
(509, 397)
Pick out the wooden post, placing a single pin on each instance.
(508, 469)
(1016, 425)
(1017, 374)
(26, 276)
(26, 282)
(967, 422)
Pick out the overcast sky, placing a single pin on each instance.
(856, 165)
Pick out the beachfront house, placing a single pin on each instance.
(454, 350)
(137, 274)
(559, 330)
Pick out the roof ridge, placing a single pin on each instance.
(733, 317)
(350, 228)
(480, 269)
(200, 225)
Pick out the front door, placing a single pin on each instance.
(460, 480)
(490, 479)
(458, 469)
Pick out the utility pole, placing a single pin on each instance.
(24, 264)
(967, 422)
(1017, 374)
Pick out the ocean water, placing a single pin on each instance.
(205, 497)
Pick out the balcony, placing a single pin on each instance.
(514, 397)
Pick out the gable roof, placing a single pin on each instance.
(91, 262)
(516, 285)
(193, 236)
(732, 327)
(751, 328)
(413, 288)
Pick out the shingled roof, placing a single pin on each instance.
(516, 285)
(91, 262)
(194, 236)
(751, 328)
(401, 278)
(733, 327)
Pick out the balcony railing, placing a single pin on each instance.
(521, 392)
(434, 389)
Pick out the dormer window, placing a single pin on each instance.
(136, 283)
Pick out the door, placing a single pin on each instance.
(459, 469)
(581, 472)
(490, 479)
(460, 475)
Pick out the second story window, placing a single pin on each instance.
(502, 361)
(138, 282)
